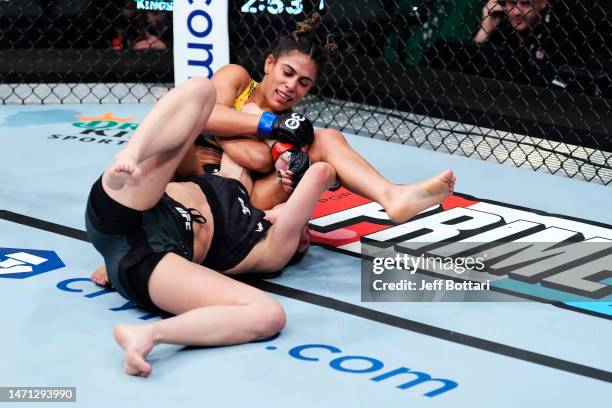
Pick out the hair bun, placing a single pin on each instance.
(308, 26)
(310, 38)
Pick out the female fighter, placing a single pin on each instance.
(290, 71)
(164, 243)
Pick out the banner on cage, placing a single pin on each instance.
(201, 38)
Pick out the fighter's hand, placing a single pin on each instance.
(290, 163)
(291, 128)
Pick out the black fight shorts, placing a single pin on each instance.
(132, 242)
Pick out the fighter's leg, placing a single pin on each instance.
(284, 236)
(401, 202)
(210, 310)
(228, 169)
(139, 175)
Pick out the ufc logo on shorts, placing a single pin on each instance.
(186, 216)
(294, 121)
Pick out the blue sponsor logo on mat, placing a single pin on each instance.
(18, 263)
(354, 364)
(402, 378)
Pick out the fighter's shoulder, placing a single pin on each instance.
(232, 74)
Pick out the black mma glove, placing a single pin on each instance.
(290, 128)
(298, 161)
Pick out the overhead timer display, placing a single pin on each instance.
(280, 6)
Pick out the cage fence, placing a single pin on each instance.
(521, 82)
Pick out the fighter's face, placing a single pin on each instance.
(288, 79)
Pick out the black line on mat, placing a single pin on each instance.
(433, 331)
(365, 313)
(44, 225)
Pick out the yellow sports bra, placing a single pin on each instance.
(245, 95)
(209, 140)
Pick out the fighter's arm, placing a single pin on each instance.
(228, 124)
(238, 132)
(250, 153)
(224, 121)
(229, 82)
(235, 130)
(244, 148)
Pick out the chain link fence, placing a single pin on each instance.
(522, 82)
(83, 51)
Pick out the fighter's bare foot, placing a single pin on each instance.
(405, 201)
(124, 170)
(100, 277)
(137, 342)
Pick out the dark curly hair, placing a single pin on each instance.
(307, 39)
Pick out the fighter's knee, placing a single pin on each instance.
(326, 136)
(199, 88)
(326, 141)
(322, 172)
(271, 318)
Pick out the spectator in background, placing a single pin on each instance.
(521, 16)
(155, 34)
(548, 30)
(554, 43)
(142, 29)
